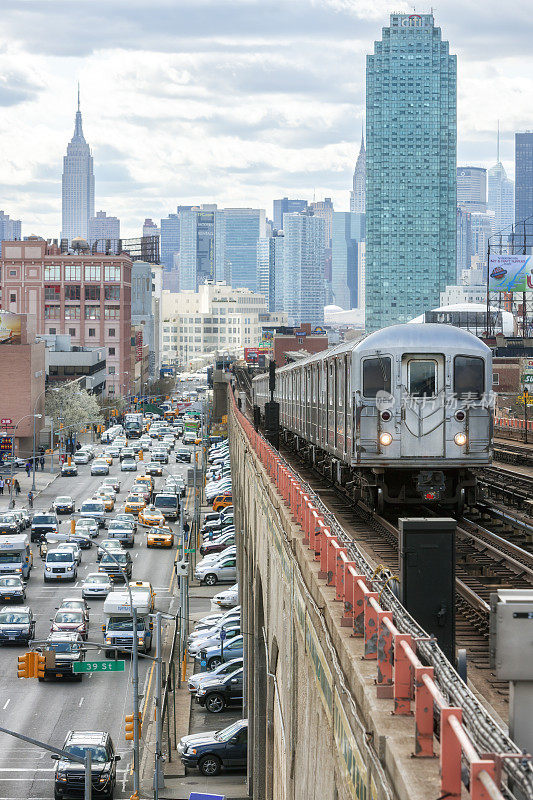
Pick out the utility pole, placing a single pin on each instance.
(136, 715)
(526, 397)
(158, 709)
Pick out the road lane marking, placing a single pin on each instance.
(6, 704)
(81, 701)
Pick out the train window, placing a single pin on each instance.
(422, 378)
(469, 376)
(376, 376)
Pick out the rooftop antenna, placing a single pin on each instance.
(78, 95)
(498, 145)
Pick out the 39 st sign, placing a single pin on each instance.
(5, 422)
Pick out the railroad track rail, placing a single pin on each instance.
(514, 489)
(513, 454)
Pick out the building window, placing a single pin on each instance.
(72, 331)
(12, 298)
(111, 331)
(111, 370)
(92, 312)
(72, 292)
(72, 272)
(111, 274)
(112, 312)
(92, 293)
(111, 351)
(92, 331)
(496, 379)
(72, 312)
(52, 331)
(52, 312)
(13, 272)
(92, 272)
(52, 273)
(112, 292)
(52, 293)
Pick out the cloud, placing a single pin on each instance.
(16, 88)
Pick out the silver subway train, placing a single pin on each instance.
(400, 417)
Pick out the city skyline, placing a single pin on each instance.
(163, 139)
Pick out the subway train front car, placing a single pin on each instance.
(401, 417)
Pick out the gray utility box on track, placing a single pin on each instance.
(511, 634)
(427, 576)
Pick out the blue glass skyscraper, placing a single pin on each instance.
(411, 111)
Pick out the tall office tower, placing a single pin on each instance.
(237, 231)
(523, 191)
(500, 195)
(303, 268)
(358, 193)
(77, 185)
(410, 171)
(481, 232)
(170, 241)
(464, 241)
(472, 188)
(10, 229)
(324, 209)
(101, 228)
(286, 206)
(348, 231)
(197, 247)
(270, 269)
(150, 228)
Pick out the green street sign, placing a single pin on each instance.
(191, 551)
(98, 666)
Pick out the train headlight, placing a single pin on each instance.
(460, 439)
(385, 439)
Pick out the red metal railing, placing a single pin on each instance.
(514, 424)
(401, 676)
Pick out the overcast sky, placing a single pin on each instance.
(228, 101)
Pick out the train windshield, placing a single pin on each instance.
(376, 376)
(422, 378)
(469, 377)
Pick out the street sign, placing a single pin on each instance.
(5, 421)
(190, 551)
(222, 635)
(99, 666)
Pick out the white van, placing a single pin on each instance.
(60, 565)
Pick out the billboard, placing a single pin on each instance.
(10, 328)
(510, 273)
(253, 354)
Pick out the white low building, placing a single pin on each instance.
(452, 295)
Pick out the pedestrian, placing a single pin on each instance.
(28, 468)
(16, 487)
(30, 498)
(41, 462)
(1, 485)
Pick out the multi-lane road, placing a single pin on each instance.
(47, 711)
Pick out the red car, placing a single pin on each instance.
(217, 545)
(70, 620)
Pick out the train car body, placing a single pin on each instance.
(399, 417)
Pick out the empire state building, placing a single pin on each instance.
(77, 185)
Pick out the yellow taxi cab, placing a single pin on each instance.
(108, 458)
(144, 479)
(143, 586)
(151, 516)
(134, 503)
(107, 499)
(159, 537)
(222, 501)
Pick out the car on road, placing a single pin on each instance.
(127, 518)
(17, 626)
(68, 650)
(12, 588)
(143, 586)
(73, 547)
(64, 504)
(71, 621)
(150, 515)
(227, 668)
(159, 537)
(107, 496)
(60, 565)
(81, 457)
(160, 456)
(113, 451)
(69, 470)
(113, 482)
(42, 524)
(183, 455)
(96, 585)
(107, 457)
(9, 524)
(229, 598)
(70, 776)
(108, 564)
(87, 527)
(225, 569)
(153, 468)
(94, 508)
(122, 531)
(220, 692)
(99, 467)
(134, 503)
(76, 603)
(128, 465)
(211, 751)
(108, 544)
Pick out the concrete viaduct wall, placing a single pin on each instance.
(317, 729)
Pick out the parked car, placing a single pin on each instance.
(211, 751)
(219, 692)
(213, 637)
(229, 598)
(211, 657)
(226, 668)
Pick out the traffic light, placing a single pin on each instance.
(141, 456)
(39, 665)
(25, 665)
(129, 727)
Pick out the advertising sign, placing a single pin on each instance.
(510, 273)
(252, 354)
(6, 444)
(10, 328)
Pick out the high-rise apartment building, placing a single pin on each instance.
(237, 231)
(270, 269)
(324, 209)
(10, 229)
(358, 193)
(286, 205)
(501, 199)
(472, 188)
(464, 241)
(77, 185)
(197, 247)
(102, 228)
(303, 268)
(411, 170)
(524, 179)
(348, 232)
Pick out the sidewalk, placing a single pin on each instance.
(42, 482)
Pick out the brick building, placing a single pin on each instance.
(300, 339)
(85, 296)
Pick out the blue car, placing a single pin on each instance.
(211, 657)
(211, 751)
